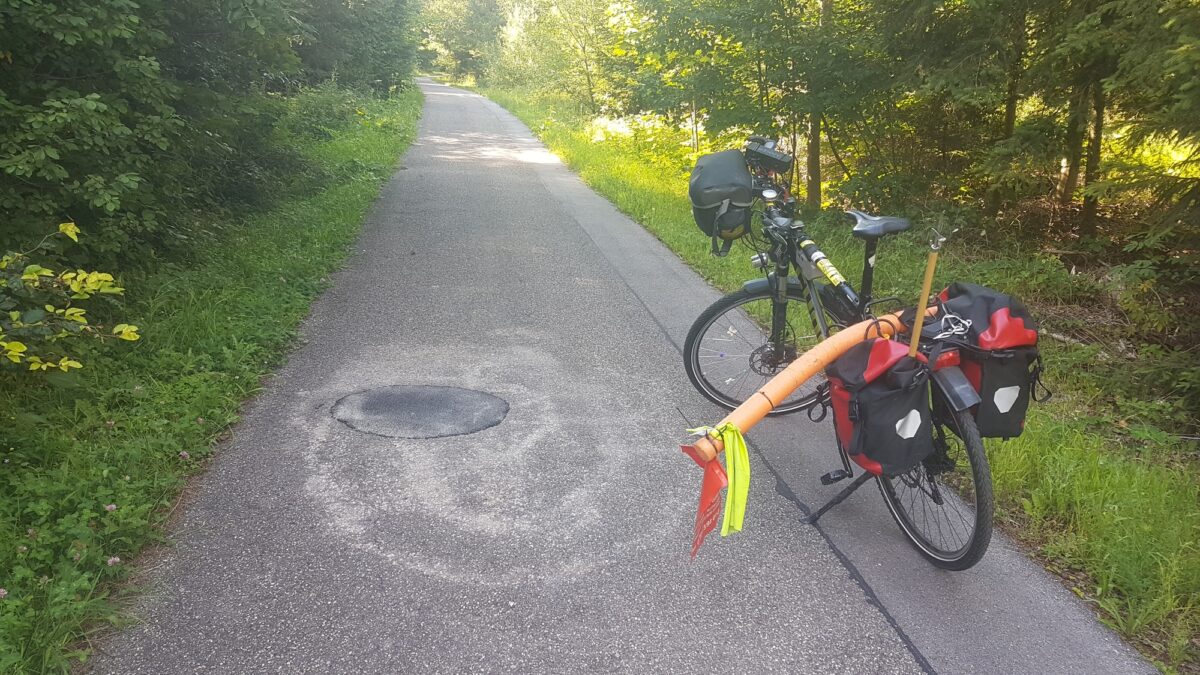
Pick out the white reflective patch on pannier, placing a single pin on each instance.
(1005, 397)
(908, 426)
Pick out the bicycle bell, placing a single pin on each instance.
(770, 194)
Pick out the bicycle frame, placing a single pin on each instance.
(793, 247)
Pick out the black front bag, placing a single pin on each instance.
(880, 401)
(722, 190)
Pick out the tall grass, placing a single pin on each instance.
(1122, 526)
(139, 420)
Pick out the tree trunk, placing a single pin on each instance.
(695, 129)
(1012, 97)
(1015, 69)
(587, 74)
(764, 98)
(1068, 177)
(834, 151)
(815, 113)
(813, 192)
(1087, 223)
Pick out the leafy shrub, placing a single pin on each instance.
(317, 112)
(1038, 277)
(148, 122)
(1024, 165)
(39, 310)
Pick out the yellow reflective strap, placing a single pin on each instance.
(806, 242)
(831, 273)
(737, 468)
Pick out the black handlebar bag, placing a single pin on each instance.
(721, 190)
(880, 399)
(999, 357)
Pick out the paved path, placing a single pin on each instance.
(556, 541)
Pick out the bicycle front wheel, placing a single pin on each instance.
(944, 505)
(729, 353)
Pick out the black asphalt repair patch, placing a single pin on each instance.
(401, 411)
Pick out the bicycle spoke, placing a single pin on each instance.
(734, 356)
(936, 503)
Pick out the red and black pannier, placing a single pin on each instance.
(880, 400)
(999, 352)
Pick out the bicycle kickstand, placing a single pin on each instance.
(839, 497)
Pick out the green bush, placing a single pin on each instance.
(148, 122)
(90, 469)
(40, 313)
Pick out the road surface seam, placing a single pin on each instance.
(784, 490)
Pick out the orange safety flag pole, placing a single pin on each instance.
(755, 408)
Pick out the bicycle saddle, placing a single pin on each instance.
(867, 226)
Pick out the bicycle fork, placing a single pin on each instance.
(779, 300)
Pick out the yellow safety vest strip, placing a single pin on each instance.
(737, 468)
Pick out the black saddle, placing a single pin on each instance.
(867, 226)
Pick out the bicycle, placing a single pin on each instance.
(943, 505)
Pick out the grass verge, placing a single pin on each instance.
(1106, 499)
(89, 468)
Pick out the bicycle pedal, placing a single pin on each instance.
(834, 476)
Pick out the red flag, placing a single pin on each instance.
(709, 511)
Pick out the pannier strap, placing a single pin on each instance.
(1035, 380)
(935, 353)
(722, 249)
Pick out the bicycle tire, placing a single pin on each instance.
(737, 382)
(903, 506)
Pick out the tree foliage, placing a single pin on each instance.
(1075, 123)
(463, 33)
(140, 120)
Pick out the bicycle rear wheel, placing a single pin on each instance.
(944, 505)
(728, 353)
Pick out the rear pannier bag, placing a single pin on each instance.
(1000, 357)
(722, 190)
(880, 400)
(1004, 380)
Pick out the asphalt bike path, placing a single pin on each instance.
(558, 539)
